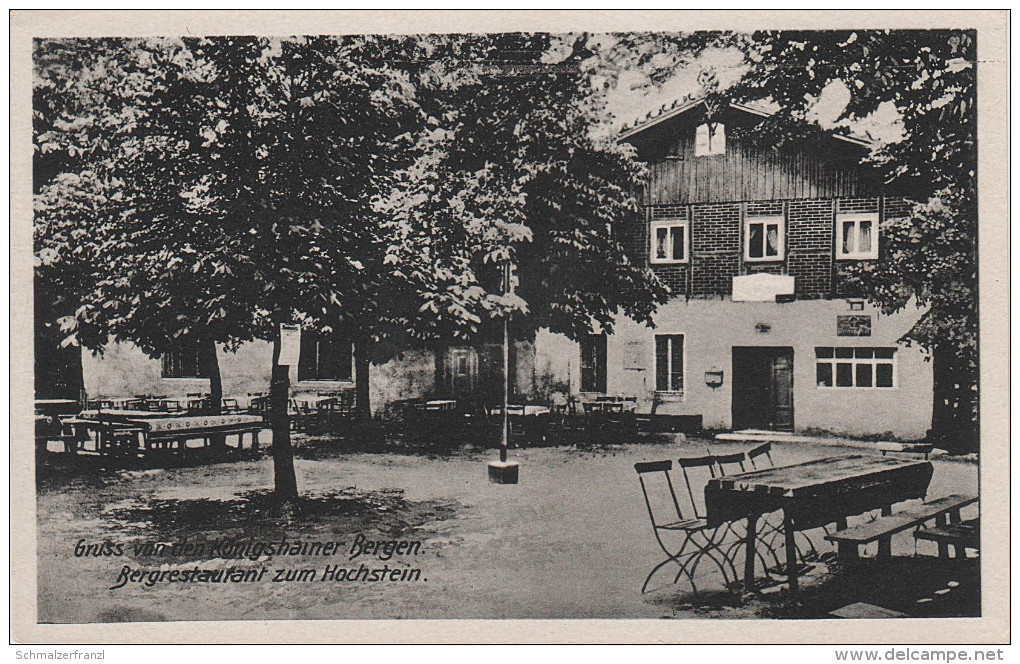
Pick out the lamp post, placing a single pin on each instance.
(503, 471)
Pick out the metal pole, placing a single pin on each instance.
(504, 434)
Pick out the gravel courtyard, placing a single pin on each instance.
(572, 540)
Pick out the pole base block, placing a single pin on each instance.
(504, 472)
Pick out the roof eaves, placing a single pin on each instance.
(638, 128)
(683, 108)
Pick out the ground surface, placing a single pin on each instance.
(572, 540)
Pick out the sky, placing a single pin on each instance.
(629, 101)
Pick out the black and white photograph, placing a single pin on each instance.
(668, 324)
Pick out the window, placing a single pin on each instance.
(856, 236)
(324, 357)
(669, 363)
(855, 367)
(182, 361)
(763, 238)
(710, 140)
(669, 241)
(593, 363)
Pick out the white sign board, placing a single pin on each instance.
(290, 344)
(761, 287)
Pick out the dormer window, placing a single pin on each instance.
(710, 139)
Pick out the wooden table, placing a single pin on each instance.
(812, 494)
(520, 410)
(126, 414)
(115, 430)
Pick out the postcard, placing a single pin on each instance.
(509, 327)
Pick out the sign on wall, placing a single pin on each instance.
(634, 355)
(853, 326)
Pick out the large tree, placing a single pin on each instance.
(514, 167)
(231, 196)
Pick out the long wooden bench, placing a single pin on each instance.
(906, 448)
(942, 510)
(963, 535)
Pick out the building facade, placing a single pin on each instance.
(763, 330)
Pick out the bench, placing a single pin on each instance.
(111, 437)
(906, 448)
(966, 534)
(942, 510)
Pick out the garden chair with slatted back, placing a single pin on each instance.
(696, 472)
(760, 457)
(734, 464)
(772, 524)
(675, 532)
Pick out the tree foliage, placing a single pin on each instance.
(216, 188)
(510, 168)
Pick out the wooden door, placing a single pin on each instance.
(762, 388)
(463, 372)
(781, 388)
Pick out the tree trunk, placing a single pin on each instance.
(362, 398)
(439, 353)
(284, 478)
(209, 366)
(954, 425)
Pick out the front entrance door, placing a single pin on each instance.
(762, 387)
(463, 372)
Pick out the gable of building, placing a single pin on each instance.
(746, 168)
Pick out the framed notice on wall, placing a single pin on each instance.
(634, 355)
(853, 326)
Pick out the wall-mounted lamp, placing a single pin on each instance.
(762, 328)
(714, 378)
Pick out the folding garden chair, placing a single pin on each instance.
(733, 464)
(685, 540)
(756, 454)
(771, 525)
(697, 471)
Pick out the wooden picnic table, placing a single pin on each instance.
(812, 494)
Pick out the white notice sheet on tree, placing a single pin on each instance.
(290, 345)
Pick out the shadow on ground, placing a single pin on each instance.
(259, 516)
(919, 587)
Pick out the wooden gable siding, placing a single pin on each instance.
(746, 173)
